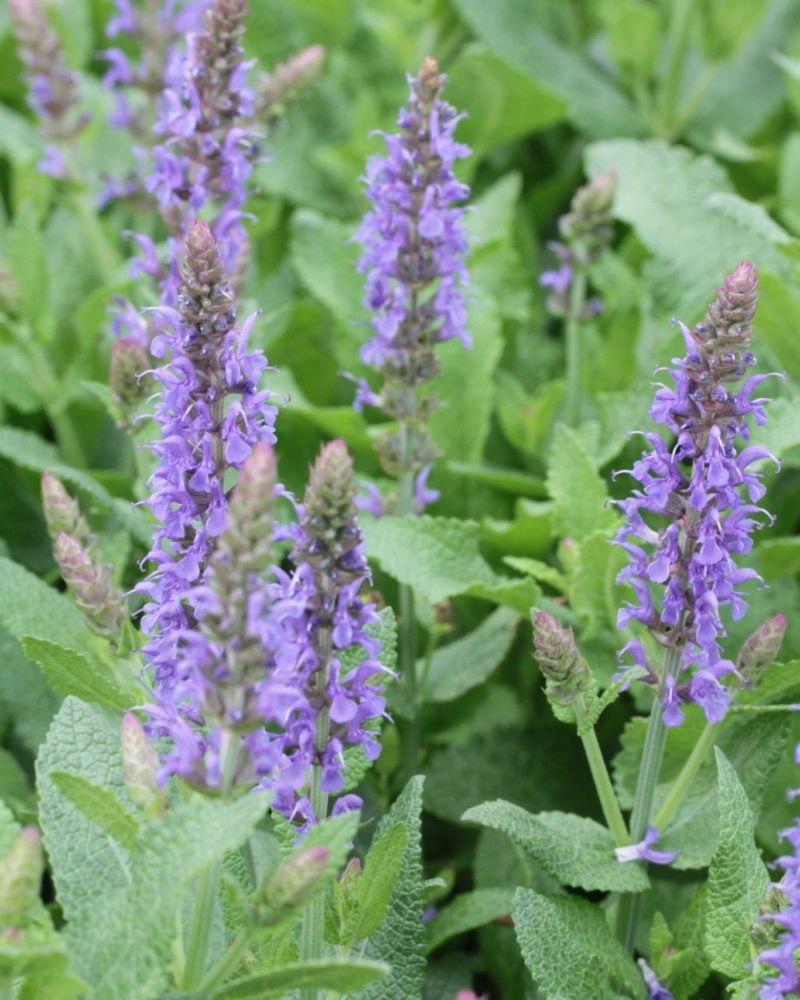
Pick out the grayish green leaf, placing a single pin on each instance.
(466, 912)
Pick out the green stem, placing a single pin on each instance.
(66, 436)
(605, 790)
(229, 961)
(200, 931)
(577, 301)
(684, 779)
(407, 653)
(649, 770)
(312, 934)
(679, 37)
(208, 883)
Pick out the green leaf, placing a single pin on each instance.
(738, 882)
(439, 557)
(593, 591)
(491, 219)
(579, 493)
(513, 29)
(467, 662)
(99, 805)
(679, 186)
(29, 607)
(343, 975)
(376, 884)
(30, 699)
(572, 849)
(778, 319)
(70, 672)
(9, 828)
(466, 912)
(510, 102)
(138, 919)
(460, 427)
(527, 418)
(25, 254)
(83, 740)
(400, 939)
(570, 950)
(29, 451)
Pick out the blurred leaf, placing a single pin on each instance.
(71, 672)
(31, 700)
(25, 253)
(778, 322)
(99, 805)
(530, 533)
(460, 427)
(340, 975)
(579, 494)
(467, 662)
(507, 480)
(466, 912)
(507, 103)
(527, 418)
(510, 28)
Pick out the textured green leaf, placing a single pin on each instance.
(99, 805)
(29, 451)
(376, 885)
(70, 672)
(572, 849)
(738, 882)
(541, 571)
(400, 939)
(466, 912)
(570, 950)
(468, 661)
(513, 28)
(579, 493)
(679, 186)
(83, 740)
(439, 557)
(138, 919)
(460, 427)
(593, 592)
(343, 975)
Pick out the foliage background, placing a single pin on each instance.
(705, 141)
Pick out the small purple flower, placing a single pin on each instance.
(643, 851)
(696, 505)
(781, 954)
(415, 247)
(656, 991)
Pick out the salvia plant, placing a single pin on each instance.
(397, 601)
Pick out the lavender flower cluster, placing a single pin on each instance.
(414, 258)
(52, 86)
(781, 956)
(706, 495)
(211, 414)
(206, 152)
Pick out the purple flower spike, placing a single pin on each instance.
(643, 851)
(320, 608)
(211, 413)
(415, 246)
(52, 87)
(697, 503)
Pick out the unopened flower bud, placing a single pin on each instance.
(287, 82)
(587, 228)
(730, 315)
(292, 883)
(140, 765)
(90, 585)
(764, 931)
(128, 362)
(565, 670)
(350, 876)
(21, 875)
(760, 650)
(61, 511)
